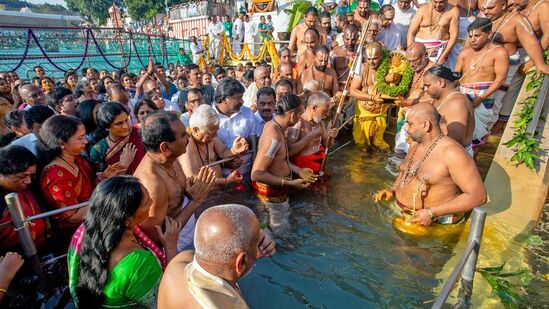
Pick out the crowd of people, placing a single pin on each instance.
(145, 152)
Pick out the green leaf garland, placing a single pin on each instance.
(399, 90)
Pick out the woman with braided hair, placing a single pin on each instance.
(111, 262)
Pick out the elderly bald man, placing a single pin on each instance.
(228, 241)
(262, 78)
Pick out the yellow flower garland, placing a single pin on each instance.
(267, 47)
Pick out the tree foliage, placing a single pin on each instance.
(46, 8)
(143, 9)
(96, 10)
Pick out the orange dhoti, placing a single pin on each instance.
(312, 161)
(270, 194)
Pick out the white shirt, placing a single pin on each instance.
(250, 96)
(215, 30)
(185, 117)
(171, 106)
(237, 29)
(390, 36)
(238, 124)
(259, 123)
(196, 48)
(29, 141)
(250, 31)
(402, 20)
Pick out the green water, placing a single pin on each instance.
(339, 249)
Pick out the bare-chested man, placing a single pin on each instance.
(297, 38)
(456, 111)
(371, 112)
(165, 139)
(436, 25)
(285, 73)
(437, 173)
(308, 139)
(416, 54)
(363, 14)
(513, 30)
(483, 65)
(228, 242)
(204, 147)
(272, 170)
(306, 58)
(341, 57)
(320, 72)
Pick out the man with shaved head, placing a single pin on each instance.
(371, 112)
(312, 41)
(437, 178)
(320, 72)
(31, 96)
(285, 71)
(420, 63)
(228, 241)
(262, 78)
(298, 39)
(342, 56)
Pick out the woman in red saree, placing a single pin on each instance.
(67, 178)
(123, 142)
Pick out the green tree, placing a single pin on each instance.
(144, 9)
(96, 10)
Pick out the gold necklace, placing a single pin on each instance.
(434, 24)
(410, 174)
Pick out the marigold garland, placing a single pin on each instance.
(393, 91)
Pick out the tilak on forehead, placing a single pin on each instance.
(373, 49)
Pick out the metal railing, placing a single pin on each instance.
(21, 223)
(467, 264)
(540, 104)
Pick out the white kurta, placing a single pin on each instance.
(390, 36)
(250, 32)
(402, 20)
(215, 31)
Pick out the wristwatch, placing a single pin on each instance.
(433, 217)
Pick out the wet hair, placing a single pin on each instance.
(311, 10)
(107, 112)
(54, 132)
(84, 111)
(484, 24)
(227, 88)
(157, 129)
(443, 72)
(318, 98)
(266, 91)
(324, 14)
(14, 118)
(56, 95)
(341, 18)
(287, 103)
(321, 49)
(113, 203)
(351, 27)
(313, 30)
(37, 114)
(15, 159)
(142, 102)
(283, 49)
(284, 82)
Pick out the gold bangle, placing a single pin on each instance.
(4, 291)
(282, 182)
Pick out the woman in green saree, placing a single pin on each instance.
(111, 262)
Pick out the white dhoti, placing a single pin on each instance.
(435, 48)
(185, 239)
(486, 113)
(401, 145)
(237, 46)
(214, 48)
(513, 83)
(458, 47)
